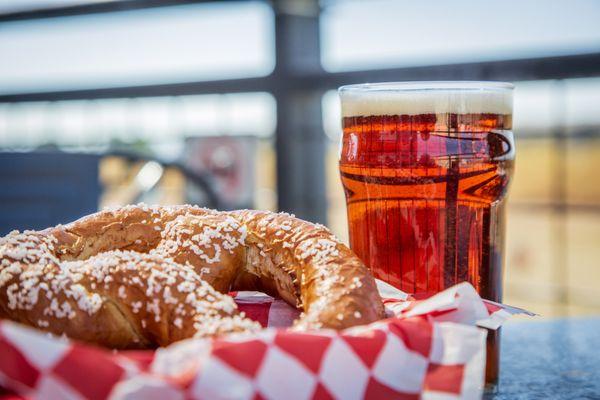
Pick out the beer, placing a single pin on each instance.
(425, 173)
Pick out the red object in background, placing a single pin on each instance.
(425, 201)
(230, 162)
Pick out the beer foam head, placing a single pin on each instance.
(413, 98)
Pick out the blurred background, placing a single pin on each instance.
(233, 104)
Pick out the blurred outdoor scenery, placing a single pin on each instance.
(233, 104)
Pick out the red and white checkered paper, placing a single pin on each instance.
(429, 349)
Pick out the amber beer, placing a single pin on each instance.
(425, 169)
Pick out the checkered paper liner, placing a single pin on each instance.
(429, 349)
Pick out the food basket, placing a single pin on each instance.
(429, 349)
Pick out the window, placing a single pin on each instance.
(384, 33)
(170, 44)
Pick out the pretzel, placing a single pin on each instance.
(141, 276)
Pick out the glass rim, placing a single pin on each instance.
(418, 86)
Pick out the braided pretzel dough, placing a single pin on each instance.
(144, 276)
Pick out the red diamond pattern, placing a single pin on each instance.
(258, 396)
(354, 364)
(416, 333)
(444, 378)
(245, 356)
(376, 390)
(297, 344)
(368, 347)
(321, 393)
(90, 371)
(15, 366)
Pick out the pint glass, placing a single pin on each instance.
(425, 168)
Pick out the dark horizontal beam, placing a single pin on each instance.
(171, 89)
(97, 7)
(560, 67)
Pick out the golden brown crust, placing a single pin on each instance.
(136, 276)
(306, 265)
(120, 299)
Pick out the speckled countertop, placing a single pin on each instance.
(556, 359)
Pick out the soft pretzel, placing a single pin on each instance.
(281, 255)
(139, 276)
(117, 299)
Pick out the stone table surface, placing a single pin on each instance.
(554, 359)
